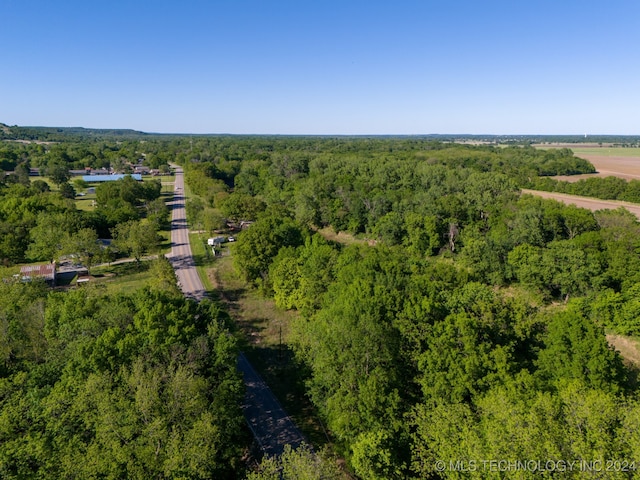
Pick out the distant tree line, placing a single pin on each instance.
(74, 134)
(604, 188)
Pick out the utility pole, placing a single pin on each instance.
(280, 346)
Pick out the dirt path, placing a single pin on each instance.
(592, 204)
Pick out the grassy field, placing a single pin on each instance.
(122, 277)
(203, 258)
(87, 202)
(343, 237)
(590, 149)
(606, 151)
(162, 178)
(629, 347)
(165, 180)
(46, 180)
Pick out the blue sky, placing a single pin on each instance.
(323, 67)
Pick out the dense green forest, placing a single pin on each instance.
(470, 325)
(463, 321)
(129, 386)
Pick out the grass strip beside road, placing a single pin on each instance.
(203, 258)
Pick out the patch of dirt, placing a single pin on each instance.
(627, 347)
(213, 278)
(608, 166)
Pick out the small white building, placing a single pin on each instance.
(216, 241)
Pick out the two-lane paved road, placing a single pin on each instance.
(180, 256)
(272, 428)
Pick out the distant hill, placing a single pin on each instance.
(53, 134)
(61, 134)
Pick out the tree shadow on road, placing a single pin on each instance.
(262, 332)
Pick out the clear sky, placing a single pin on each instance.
(323, 66)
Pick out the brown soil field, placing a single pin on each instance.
(592, 204)
(608, 166)
(627, 167)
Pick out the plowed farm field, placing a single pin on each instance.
(612, 165)
(609, 162)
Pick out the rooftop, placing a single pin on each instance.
(46, 271)
(109, 178)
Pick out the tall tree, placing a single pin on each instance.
(575, 348)
(58, 173)
(84, 244)
(258, 246)
(135, 238)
